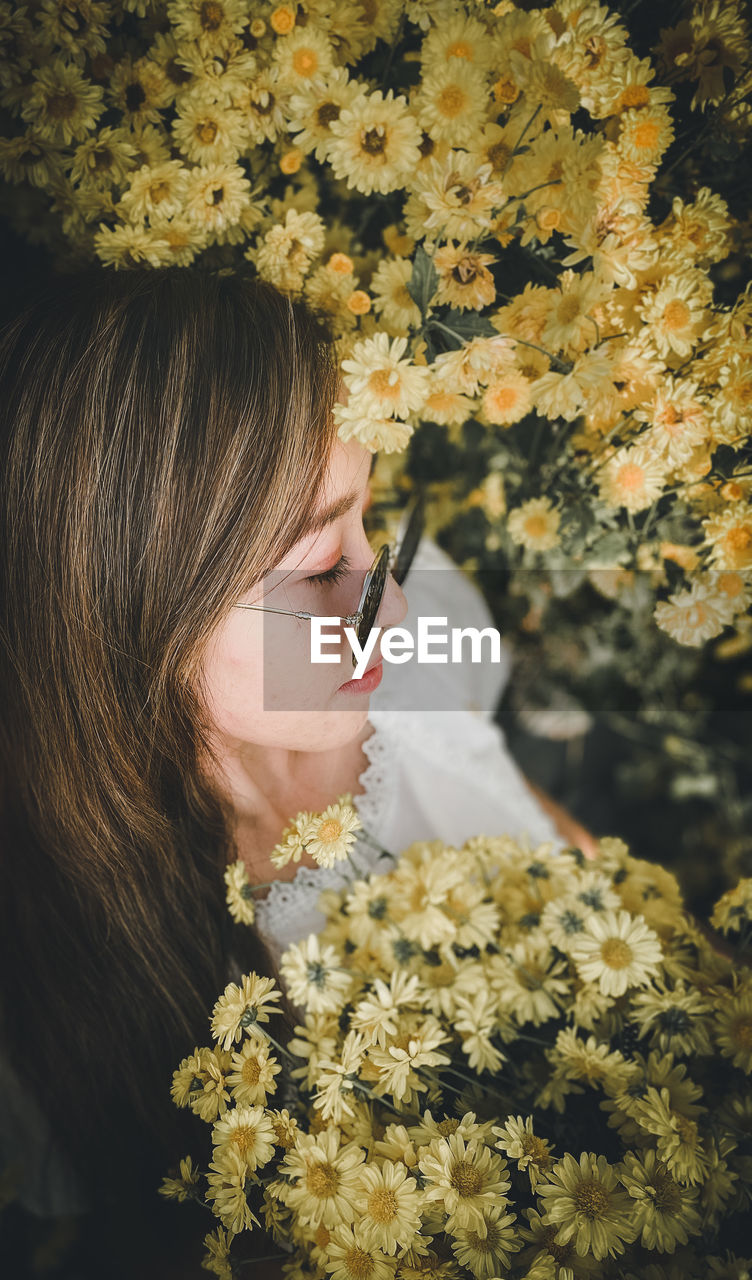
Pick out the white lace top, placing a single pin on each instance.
(430, 774)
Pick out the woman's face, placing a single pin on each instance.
(263, 687)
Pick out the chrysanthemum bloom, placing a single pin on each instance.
(306, 55)
(292, 845)
(729, 536)
(376, 1013)
(535, 525)
(487, 1250)
(392, 302)
(633, 477)
(585, 1202)
(466, 1179)
(591, 1061)
(62, 104)
(677, 1139)
(155, 193)
(733, 911)
(180, 1188)
(207, 132)
(388, 1205)
(130, 246)
(676, 1019)
(216, 196)
(451, 101)
(239, 896)
(690, 617)
(247, 1131)
(211, 23)
(375, 143)
(314, 976)
(287, 250)
(332, 834)
(733, 1027)
(240, 1007)
(322, 1178)
(464, 279)
(617, 951)
(675, 313)
(381, 381)
(378, 434)
(517, 1140)
(315, 105)
(217, 1244)
(349, 1258)
(453, 198)
(227, 1183)
(397, 1066)
(458, 36)
(252, 1077)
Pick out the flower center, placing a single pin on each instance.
(244, 1138)
(460, 49)
(61, 105)
(330, 830)
(373, 141)
(360, 1265)
(646, 135)
(382, 1205)
(616, 953)
(741, 1031)
(384, 382)
(676, 315)
(305, 61)
(739, 539)
(159, 191)
(465, 1178)
(631, 477)
(251, 1072)
(206, 131)
(327, 112)
(452, 101)
(322, 1180)
(211, 15)
(592, 1198)
(665, 1193)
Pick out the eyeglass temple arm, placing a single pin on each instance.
(351, 618)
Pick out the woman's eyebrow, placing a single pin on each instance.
(333, 512)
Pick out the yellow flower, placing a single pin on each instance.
(304, 56)
(464, 279)
(678, 1143)
(729, 536)
(378, 434)
(508, 398)
(286, 251)
(241, 1007)
(486, 1248)
(227, 1188)
(240, 901)
(457, 36)
(466, 1179)
(131, 246)
(415, 1046)
(207, 132)
(375, 143)
(584, 1201)
(645, 134)
(331, 834)
(211, 23)
(665, 1213)
(216, 196)
(534, 525)
(690, 617)
(380, 381)
(247, 1131)
(633, 477)
(322, 1178)
(61, 103)
(517, 1140)
(452, 198)
(180, 1188)
(314, 976)
(252, 1077)
(348, 1258)
(617, 951)
(389, 1206)
(292, 845)
(216, 1259)
(733, 911)
(733, 1027)
(451, 102)
(675, 313)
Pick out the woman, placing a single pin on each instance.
(169, 453)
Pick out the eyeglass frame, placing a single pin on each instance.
(413, 519)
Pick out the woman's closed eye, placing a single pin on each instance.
(335, 574)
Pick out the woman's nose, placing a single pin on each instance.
(393, 606)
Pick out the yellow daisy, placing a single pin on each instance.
(535, 525)
(331, 834)
(264, 103)
(729, 536)
(378, 434)
(227, 1189)
(617, 951)
(131, 246)
(645, 134)
(675, 313)
(678, 1143)
(206, 132)
(466, 1179)
(314, 977)
(212, 24)
(138, 88)
(247, 1131)
(155, 193)
(633, 477)
(252, 1077)
(487, 1249)
(517, 1140)
(349, 1258)
(180, 1188)
(322, 1178)
(391, 300)
(216, 1259)
(304, 57)
(61, 103)
(314, 106)
(732, 1026)
(453, 198)
(375, 143)
(451, 102)
(29, 158)
(389, 1206)
(287, 250)
(243, 1006)
(457, 36)
(216, 196)
(464, 279)
(584, 1201)
(240, 901)
(381, 381)
(732, 912)
(690, 617)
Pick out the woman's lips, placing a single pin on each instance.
(367, 683)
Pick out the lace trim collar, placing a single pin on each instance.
(376, 784)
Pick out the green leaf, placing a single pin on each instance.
(422, 284)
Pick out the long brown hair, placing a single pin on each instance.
(164, 441)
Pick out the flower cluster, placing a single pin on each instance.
(511, 145)
(509, 1062)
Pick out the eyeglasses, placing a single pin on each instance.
(408, 537)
